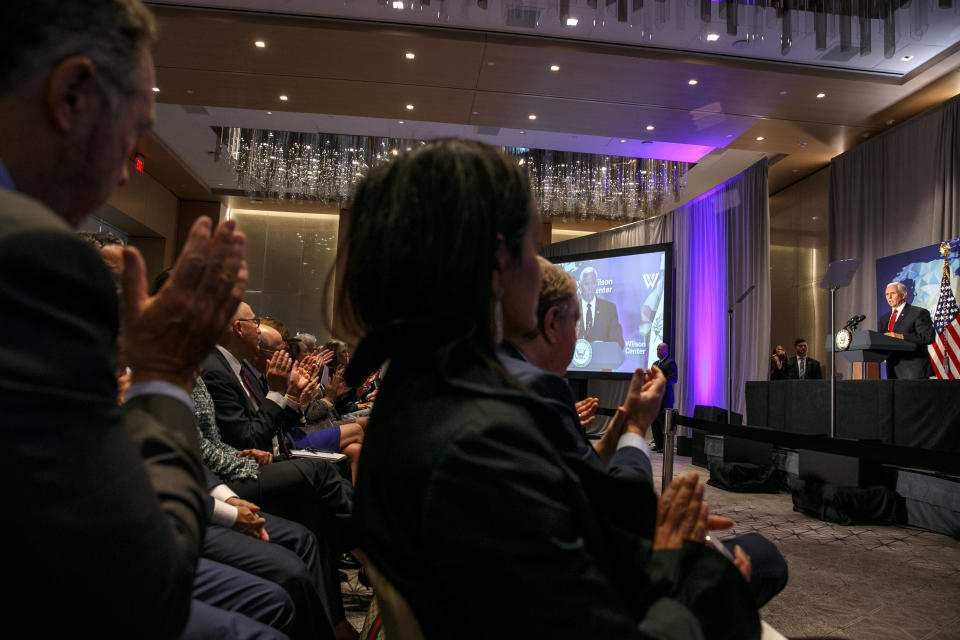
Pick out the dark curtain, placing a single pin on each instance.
(897, 192)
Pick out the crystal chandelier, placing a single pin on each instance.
(845, 21)
(327, 167)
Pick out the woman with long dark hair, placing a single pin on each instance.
(471, 497)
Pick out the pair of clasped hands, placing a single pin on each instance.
(682, 513)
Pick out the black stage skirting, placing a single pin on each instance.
(910, 413)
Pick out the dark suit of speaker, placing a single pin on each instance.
(605, 326)
(917, 327)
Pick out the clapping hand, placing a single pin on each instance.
(278, 371)
(586, 410)
(324, 357)
(309, 394)
(642, 403)
(168, 335)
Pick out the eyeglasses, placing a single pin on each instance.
(255, 321)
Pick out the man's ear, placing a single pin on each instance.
(551, 324)
(71, 92)
(235, 328)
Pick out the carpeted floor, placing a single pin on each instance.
(859, 583)
(855, 582)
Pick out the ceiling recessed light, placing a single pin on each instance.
(260, 44)
(532, 116)
(398, 4)
(907, 58)
(401, 121)
(691, 82)
(650, 127)
(554, 67)
(409, 55)
(572, 22)
(713, 37)
(476, 113)
(394, 152)
(269, 113)
(491, 63)
(821, 95)
(814, 217)
(759, 138)
(783, 92)
(284, 98)
(523, 132)
(156, 89)
(622, 140)
(409, 107)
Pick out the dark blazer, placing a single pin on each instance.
(606, 323)
(791, 371)
(531, 540)
(669, 368)
(555, 393)
(917, 327)
(108, 503)
(241, 425)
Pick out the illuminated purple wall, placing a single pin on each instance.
(701, 290)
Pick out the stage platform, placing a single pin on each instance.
(924, 414)
(932, 501)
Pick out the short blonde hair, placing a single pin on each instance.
(557, 289)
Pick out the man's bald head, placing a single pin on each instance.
(270, 342)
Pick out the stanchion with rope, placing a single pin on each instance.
(669, 439)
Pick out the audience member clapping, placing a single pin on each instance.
(530, 539)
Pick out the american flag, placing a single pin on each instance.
(945, 350)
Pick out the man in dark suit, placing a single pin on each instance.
(912, 324)
(118, 494)
(289, 555)
(598, 318)
(666, 364)
(799, 367)
(539, 361)
(246, 418)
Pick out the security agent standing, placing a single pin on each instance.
(666, 364)
(799, 367)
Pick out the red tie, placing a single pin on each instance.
(893, 320)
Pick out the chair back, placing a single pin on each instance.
(399, 621)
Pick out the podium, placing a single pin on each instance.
(597, 355)
(867, 350)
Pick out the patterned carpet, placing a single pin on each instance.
(854, 582)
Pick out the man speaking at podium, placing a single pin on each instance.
(913, 324)
(598, 318)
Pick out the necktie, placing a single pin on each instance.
(803, 367)
(893, 320)
(588, 322)
(248, 385)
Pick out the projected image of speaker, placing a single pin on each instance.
(625, 298)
